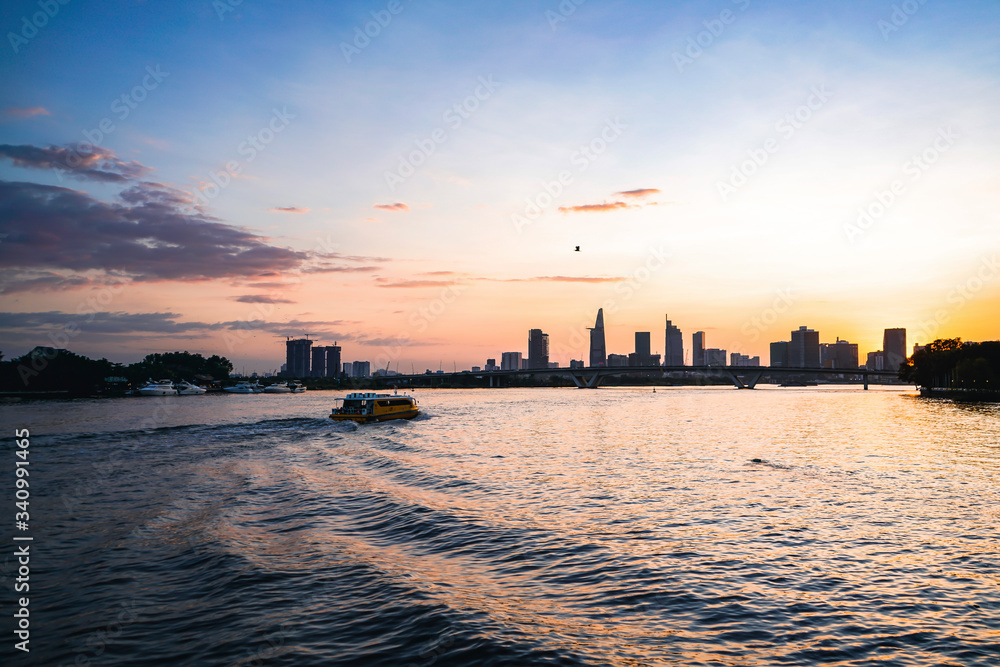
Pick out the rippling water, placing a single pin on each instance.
(514, 526)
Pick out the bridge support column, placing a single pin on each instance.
(736, 380)
(753, 381)
(866, 381)
(583, 382)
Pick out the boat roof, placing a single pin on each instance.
(371, 394)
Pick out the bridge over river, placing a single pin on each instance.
(742, 377)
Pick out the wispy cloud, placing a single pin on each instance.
(340, 269)
(384, 282)
(288, 209)
(639, 192)
(83, 161)
(26, 112)
(393, 207)
(559, 279)
(594, 208)
(157, 323)
(261, 298)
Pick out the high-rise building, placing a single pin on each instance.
(598, 351)
(839, 355)
(510, 361)
(617, 360)
(673, 349)
(737, 359)
(538, 348)
(894, 348)
(779, 354)
(803, 349)
(491, 365)
(325, 361)
(876, 361)
(698, 348)
(361, 369)
(715, 357)
(318, 368)
(297, 357)
(332, 360)
(576, 363)
(641, 348)
(348, 369)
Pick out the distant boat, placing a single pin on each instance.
(296, 387)
(372, 407)
(277, 388)
(244, 388)
(158, 388)
(185, 388)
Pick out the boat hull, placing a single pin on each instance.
(157, 392)
(366, 419)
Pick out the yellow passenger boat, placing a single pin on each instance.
(372, 407)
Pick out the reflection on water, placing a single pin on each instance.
(520, 526)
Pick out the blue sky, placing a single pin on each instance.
(874, 87)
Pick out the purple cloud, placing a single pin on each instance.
(84, 161)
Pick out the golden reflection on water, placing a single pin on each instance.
(624, 523)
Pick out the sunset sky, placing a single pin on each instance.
(213, 177)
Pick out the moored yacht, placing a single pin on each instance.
(158, 388)
(185, 388)
(244, 388)
(277, 388)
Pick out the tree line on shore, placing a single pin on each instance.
(951, 364)
(48, 369)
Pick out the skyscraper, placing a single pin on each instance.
(538, 348)
(641, 348)
(839, 355)
(297, 357)
(698, 347)
(673, 347)
(318, 369)
(714, 357)
(598, 352)
(779, 354)
(894, 348)
(510, 361)
(803, 350)
(325, 361)
(332, 361)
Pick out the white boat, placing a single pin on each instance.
(244, 388)
(185, 388)
(277, 388)
(296, 387)
(158, 388)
